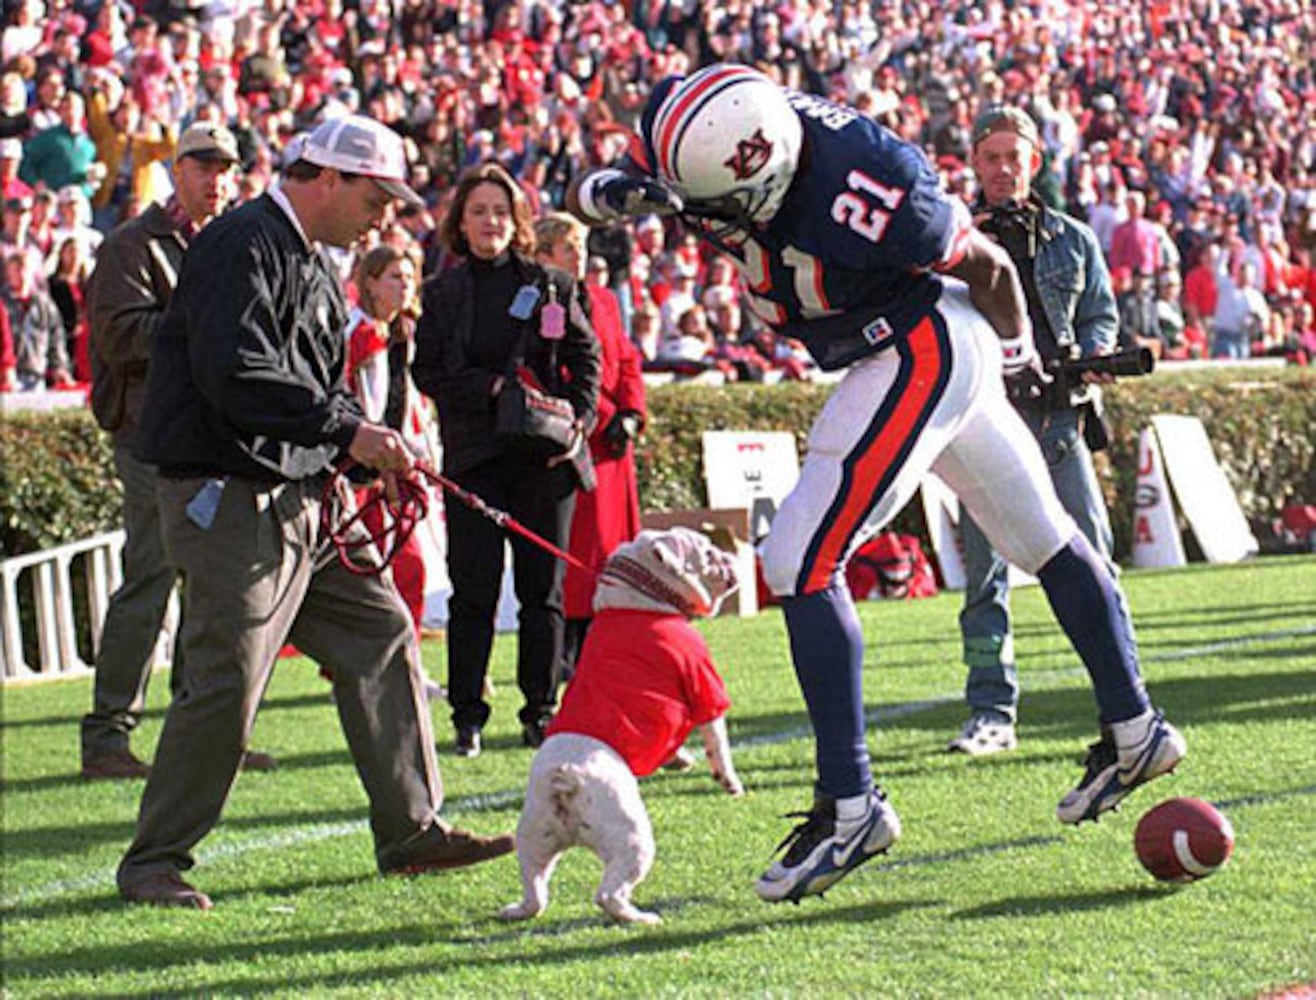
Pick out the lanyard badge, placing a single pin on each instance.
(523, 306)
(552, 318)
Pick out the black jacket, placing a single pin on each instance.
(246, 373)
(458, 370)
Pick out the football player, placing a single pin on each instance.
(846, 241)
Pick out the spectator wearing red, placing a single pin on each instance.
(1201, 290)
(1136, 244)
(8, 358)
(11, 186)
(379, 343)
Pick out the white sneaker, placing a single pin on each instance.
(1130, 754)
(982, 736)
(823, 850)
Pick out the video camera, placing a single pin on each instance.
(1066, 387)
(1132, 363)
(1066, 376)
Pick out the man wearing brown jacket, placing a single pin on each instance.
(135, 276)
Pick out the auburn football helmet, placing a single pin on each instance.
(726, 140)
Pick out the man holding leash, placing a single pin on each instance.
(246, 412)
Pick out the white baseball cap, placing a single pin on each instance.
(356, 144)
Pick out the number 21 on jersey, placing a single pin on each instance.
(851, 208)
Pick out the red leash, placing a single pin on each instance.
(401, 517)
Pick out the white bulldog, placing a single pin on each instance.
(644, 682)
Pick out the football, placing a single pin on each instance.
(1182, 840)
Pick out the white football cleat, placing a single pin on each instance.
(1132, 753)
(983, 736)
(822, 850)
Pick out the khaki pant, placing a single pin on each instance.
(134, 618)
(255, 579)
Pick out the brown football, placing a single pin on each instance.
(1182, 840)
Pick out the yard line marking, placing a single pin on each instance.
(500, 800)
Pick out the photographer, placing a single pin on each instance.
(1073, 312)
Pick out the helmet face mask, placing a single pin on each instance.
(728, 142)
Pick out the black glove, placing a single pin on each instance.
(612, 194)
(1029, 384)
(1025, 376)
(640, 196)
(622, 429)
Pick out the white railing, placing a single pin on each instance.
(51, 574)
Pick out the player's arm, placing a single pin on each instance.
(994, 286)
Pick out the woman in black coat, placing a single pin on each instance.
(479, 319)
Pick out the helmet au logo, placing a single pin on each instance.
(751, 156)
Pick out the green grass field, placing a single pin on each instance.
(986, 894)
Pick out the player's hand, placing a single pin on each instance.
(380, 448)
(1022, 366)
(632, 196)
(619, 195)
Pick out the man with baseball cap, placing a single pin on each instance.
(136, 271)
(356, 145)
(246, 413)
(1072, 308)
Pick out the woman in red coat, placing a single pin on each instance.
(610, 514)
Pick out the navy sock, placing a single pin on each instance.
(1091, 609)
(827, 647)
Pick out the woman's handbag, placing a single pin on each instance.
(531, 422)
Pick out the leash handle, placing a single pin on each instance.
(399, 521)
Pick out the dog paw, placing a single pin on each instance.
(627, 913)
(518, 911)
(730, 783)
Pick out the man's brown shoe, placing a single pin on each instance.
(254, 760)
(457, 850)
(165, 889)
(114, 765)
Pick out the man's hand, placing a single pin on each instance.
(610, 194)
(730, 782)
(380, 448)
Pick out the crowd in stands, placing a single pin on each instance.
(1182, 131)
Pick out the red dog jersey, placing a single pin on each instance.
(644, 681)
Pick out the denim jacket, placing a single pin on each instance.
(1073, 283)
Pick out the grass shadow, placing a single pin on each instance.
(1050, 906)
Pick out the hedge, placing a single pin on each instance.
(57, 481)
(1261, 421)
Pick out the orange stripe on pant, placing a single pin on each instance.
(878, 462)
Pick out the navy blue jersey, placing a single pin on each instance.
(863, 229)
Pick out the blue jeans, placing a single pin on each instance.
(992, 688)
(1230, 344)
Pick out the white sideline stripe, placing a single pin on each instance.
(503, 799)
